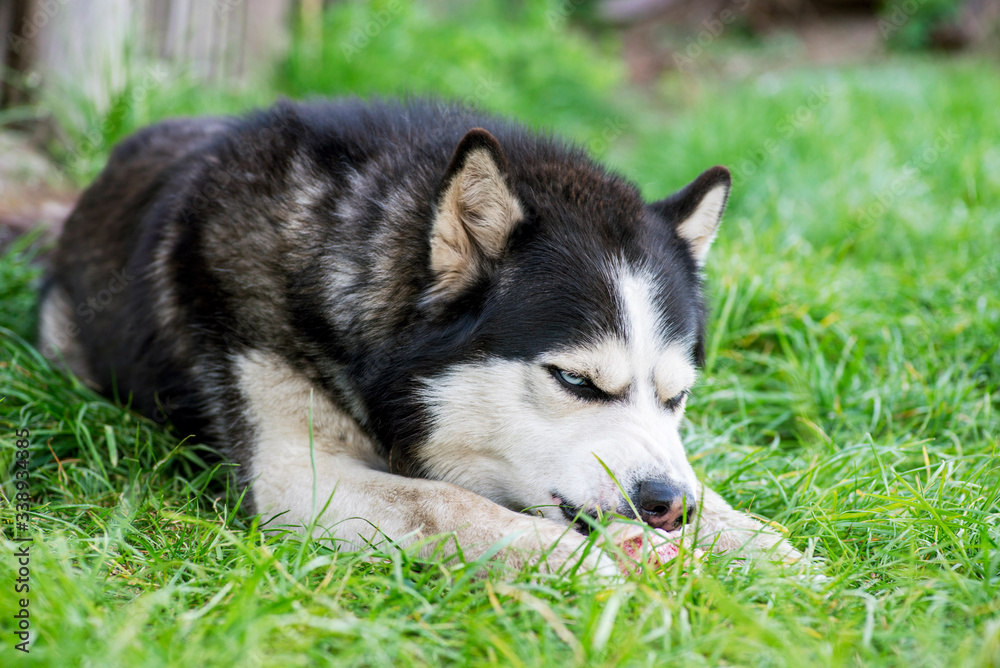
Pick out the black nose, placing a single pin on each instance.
(664, 505)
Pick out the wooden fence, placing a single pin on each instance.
(93, 42)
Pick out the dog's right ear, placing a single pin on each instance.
(475, 214)
(695, 211)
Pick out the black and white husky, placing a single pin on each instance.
(402, 320)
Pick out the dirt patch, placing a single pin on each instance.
(33, 190)
(653, 48)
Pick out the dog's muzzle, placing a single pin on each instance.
(662, 504)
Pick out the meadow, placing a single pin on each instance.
(851, 391)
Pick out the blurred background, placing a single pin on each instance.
(79, 75)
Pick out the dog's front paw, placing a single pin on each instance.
(768, 543)
(553, 548)
(721, 528)
(747, 538)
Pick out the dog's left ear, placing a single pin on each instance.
(475, 214)
(696, 210)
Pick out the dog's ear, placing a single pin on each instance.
(695, 211)
(476, 212)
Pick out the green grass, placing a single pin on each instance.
(852, 394)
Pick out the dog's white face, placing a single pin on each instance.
(539, 434)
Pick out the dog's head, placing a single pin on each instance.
(582, 333)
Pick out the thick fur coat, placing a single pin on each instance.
(402, 320)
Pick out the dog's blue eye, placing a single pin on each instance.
(581, 386)
(571, 378)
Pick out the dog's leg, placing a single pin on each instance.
(332, 474)
(357, 507)
(726, 529)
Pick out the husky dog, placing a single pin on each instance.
(403, 320)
